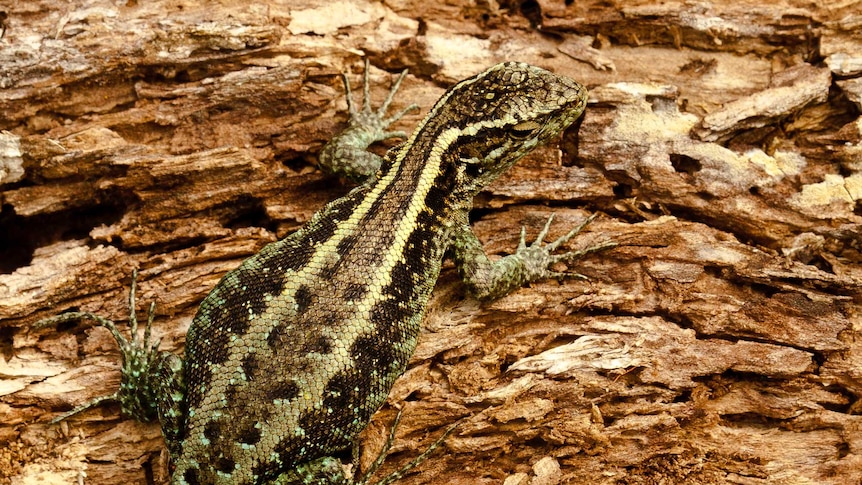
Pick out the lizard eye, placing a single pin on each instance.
(525, 129)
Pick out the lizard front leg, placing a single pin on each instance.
(347, 153)
(488, 279)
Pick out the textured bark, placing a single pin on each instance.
(719, 342)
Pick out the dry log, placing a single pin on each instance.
(719, 342)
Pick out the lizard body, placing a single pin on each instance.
(292, 352)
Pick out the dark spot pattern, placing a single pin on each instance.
(212, 430)
(436, 198)
(302, 297)
(191, 476)
(260, 283)
(421, 244)
(320, 345)
(225, 465)
(340, 391)
(278, 336)
(391, 311)
(249, 435)
(375, 351)
(401, 286)
(320, 234)
(346, 244)
(323, 316)
(235, 391)
(221, 451)
(250, 366)
(285, 390)
(239, 324)
(355, 291)
(328, 272)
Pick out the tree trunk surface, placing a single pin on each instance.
(719, 342)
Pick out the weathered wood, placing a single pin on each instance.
(718, 343)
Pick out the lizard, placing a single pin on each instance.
(292, 352)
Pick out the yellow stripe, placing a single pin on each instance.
(380, 278)
(407, 225)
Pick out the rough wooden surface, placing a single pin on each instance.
(720, 342)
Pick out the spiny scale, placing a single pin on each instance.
(292, 352)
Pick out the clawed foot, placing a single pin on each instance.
(138, 354)
(375, 122)
(539, 258)
(413, 463)
(487, 280)
(346, 154)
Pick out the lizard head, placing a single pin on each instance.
(484, 124)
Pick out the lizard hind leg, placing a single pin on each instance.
(151, 384)
(396, 475)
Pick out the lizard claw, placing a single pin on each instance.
(138, 355)
(375, 121)
(346, 153)
(539, 258)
